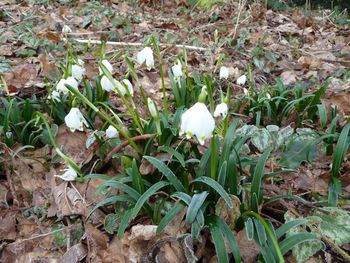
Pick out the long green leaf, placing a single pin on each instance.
(222, 174)
(167, 173)
(288, 226)
(219, 243)
(231, 239)
(196, 203)
(183, 197)
(170, 216)
(137, 181)
(340, 151)
(173, 152)
(120, 186)
(217, 187)
(124, 223)
(111, 200)
(294, 240)
(258, 175)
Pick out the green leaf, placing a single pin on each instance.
(261, 139)
(196, 203)
(173, 152)
(231, 239)
(111, 200)
(288, 226)
(111, 223)
(219, 243)
(293, 240)
(124, 223)
(170, 216)
(217, 187)
(183, 197)
(175, 182)
(340, 151)
(137, 181)
(222, 174)
(249, 228)
(120, 186)
(258, 176)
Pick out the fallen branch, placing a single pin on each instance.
(126, 143)
(137, 44)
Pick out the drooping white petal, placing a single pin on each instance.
(268, 96)
(242, 80)
(197, 121)
(78, 72)
(152, 107)
(69, 175)
(129, 86)
(75, 120)
(55, 95)
(66, 29)
(107, 65)
(245, 91)
(177, 70)
(221, 110)
(111, 132)
(61, 87)
(224, 73)
(146, 56)
(72, 82)
(80, 62)
(106, 84)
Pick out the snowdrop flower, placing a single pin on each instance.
(66, 29)
(80, 62)
(242, 80)
(221, 110)
(128, 85)
(177, 70)
(245, 91)
(146, 55)
(268, 96)
(75, 120)
(78, 72)
(61, 85)
(224, 73)
(107, 65)
(111, 132)
(106, 84)
(54, 96)
(152, 107)
(197, 121)
(69, 175)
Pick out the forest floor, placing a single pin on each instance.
(43, 219)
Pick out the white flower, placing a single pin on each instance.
(80, 62)
(61, 85)
(197, 121)
(106, 84)
(221, 110)
(245, 91)
(177, 70)
(242, 80)
(122, 89)
(54, 96)
(78, 72)
(66, 29)
(224, 73)
(107, 65)
(152, 107)
(268, 96)
(69, 175)
(111, 132)
(75, 120)
(146, 55)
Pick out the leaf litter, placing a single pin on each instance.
(295, 46)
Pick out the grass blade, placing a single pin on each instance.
(195, 204)
(294, 240)
(170, 215)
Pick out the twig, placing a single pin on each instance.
(137, 44)
(336, 248)
(126, 143)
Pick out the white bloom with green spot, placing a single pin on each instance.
(152, 107)
(146, 56)
(75, 120)
(111, 132)
(221, 110)
(224, 73)
(61, 85)
(69, 175)
(197, 121)
(108, 66)
(78, 72)
(177, 70)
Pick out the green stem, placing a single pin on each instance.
(213, 158)
(269, 232)
(104, 116)
(161, 72)
(136, 77)
(68, 160)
